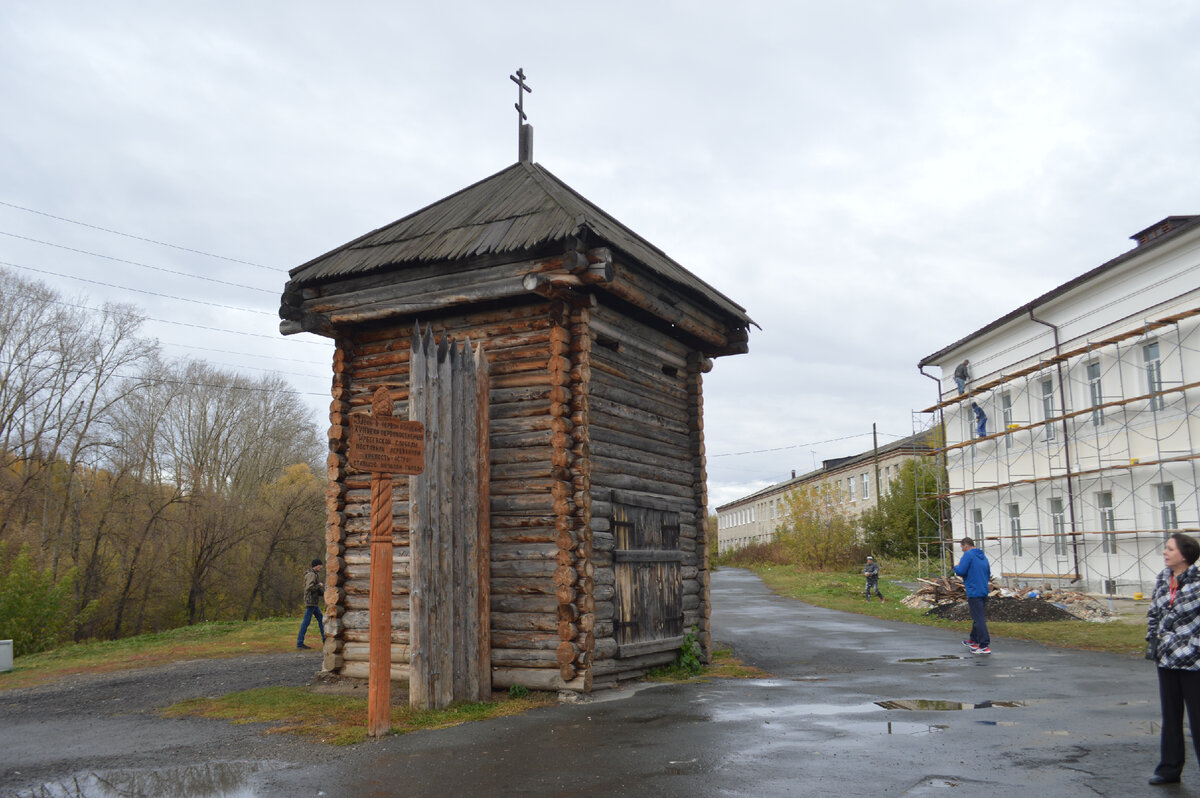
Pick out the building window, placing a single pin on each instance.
(1014, 527)
(1007, 415)
(850, 487)
(977, 526)
(1108, 522)
(1096, 392)
(1058, 523)
(866, 487)
(1166, 507)
(1154, 382)
(1048, 407)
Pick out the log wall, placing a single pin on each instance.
(530, 485)
(646, 443)
(584, 401)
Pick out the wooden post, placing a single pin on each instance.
(379, 679)
(483, 553)
(382, 446)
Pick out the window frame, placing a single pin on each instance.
(1108, 521)
(1014, 529)
(1095, 392)
(1058, 525)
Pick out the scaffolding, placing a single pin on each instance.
(1091, 465)
(929, 487)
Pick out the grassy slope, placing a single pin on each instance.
(204, 640)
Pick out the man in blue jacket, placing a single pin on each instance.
(976, 574)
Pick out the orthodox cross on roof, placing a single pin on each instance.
(524, 131)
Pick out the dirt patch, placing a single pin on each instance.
(333, 684)
(1003, 608)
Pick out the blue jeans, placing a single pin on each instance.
(979, 633)
(309, 614)
(962, 385)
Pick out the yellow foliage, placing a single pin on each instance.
(816, 533)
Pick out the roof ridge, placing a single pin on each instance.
(353, 244)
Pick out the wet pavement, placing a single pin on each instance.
(856, 707)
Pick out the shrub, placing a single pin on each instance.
(36, 612)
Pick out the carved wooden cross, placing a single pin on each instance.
(383, 446)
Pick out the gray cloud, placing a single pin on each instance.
(871, 180)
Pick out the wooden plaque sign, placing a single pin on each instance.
(387, 445)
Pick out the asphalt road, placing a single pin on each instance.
(1028, 720)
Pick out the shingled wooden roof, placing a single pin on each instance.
(517, 210)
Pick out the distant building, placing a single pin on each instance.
(1091, 391)
(857, 479)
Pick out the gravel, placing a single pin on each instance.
(56, 736)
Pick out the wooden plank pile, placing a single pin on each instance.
(942, 590)
(938, 591)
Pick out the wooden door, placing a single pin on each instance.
(648, 563)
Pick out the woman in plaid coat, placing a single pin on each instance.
(1172, 626)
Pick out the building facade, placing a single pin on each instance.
(1086, 459)
(858, 481)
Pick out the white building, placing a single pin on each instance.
(1092, 399)
(857, 480)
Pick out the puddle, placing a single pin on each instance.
(927, 704)
(213, 780)
(913, 728)
(1149, 727)
(889, 727)
(939, 658)
(784, 711)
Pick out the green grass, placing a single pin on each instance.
(723, 666)
(201, 641)
(844, 591)
(338, 719)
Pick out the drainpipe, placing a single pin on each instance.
(1062, 398)
(942, 501)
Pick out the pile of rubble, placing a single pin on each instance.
(940, 594)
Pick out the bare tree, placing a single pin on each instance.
(62, 368)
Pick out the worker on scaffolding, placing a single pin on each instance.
(961, 375)
(980, 420)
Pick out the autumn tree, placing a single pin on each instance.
(816, 532)
(62, 369)
(138, 493)
(892, 526)
(291, 509)
(224, 437)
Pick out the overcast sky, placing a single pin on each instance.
(870, 180)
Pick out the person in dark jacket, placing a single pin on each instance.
(1172, 626)
(976, 574)
(961, 375)
(980, 420)
(871, 572)
(312, 594)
